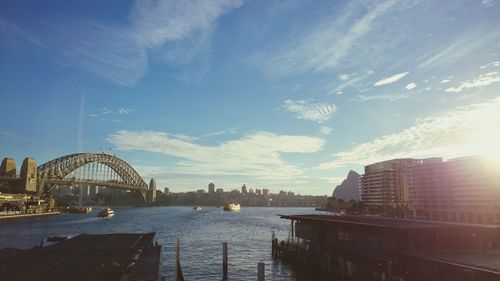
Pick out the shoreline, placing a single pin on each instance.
(9, 217)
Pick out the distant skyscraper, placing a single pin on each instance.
(265, 192)
(166, 191)
(152, 191)
(211, 188)
(244, 189)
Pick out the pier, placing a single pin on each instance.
(369, 248)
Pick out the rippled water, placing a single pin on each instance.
(248, 234)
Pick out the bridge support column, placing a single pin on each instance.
(28, 175)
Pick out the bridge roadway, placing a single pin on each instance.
(91, 182)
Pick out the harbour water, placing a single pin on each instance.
(247, 232)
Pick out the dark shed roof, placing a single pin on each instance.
(382, 222)
(83, 257)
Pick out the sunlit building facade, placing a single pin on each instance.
(463, 189)
(387, 183)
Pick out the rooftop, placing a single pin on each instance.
(86, 257)
(382, 222)
(484, 261)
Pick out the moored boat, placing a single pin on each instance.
(79, 210)
(106, 213)
(232, 207)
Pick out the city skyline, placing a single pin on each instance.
(276, 95)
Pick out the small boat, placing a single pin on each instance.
(106, 213)
(232, 207)
(197, 208)
(53, 240)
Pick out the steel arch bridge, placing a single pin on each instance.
(61, 171)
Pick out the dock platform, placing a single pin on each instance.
(86, 257)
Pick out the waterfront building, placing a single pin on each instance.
(244, 189)
(219, 190)
(387, 183)
(465, 189)
(211, 188)
(265, 192)
(372, 248)
(166, 191)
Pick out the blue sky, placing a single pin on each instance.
(278, 94)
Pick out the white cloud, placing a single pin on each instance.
(463, 131)
(445, 81)
(344, 77)
(322, 47)
(125, 110)
(325, 130)
(307, 110)
(411, 86)
(256, 155)
(391, 79)
(479, 81)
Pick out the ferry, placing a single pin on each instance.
(106, 213)
(232, 207)
(197, 208)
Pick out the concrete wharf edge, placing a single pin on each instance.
(9, 217)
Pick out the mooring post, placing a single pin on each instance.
(276, 249)
(272, 244)
(261, 276)
(224, 261)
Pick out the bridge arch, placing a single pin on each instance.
(59, 168)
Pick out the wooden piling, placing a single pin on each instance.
(224, 261)
(261, 276)
(273, 246)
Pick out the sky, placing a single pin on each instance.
(285, 95)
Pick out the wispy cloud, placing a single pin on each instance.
(325, 45)
(15, 137)
(256, 155)
(325, 130)
(108, 111)
(463, 131)
(383, 97)
(309, 110)
(391, 79)
(491, 64)
(221, 132)
(125, 110)
(488, 3)
(459, 48)
(119, 52)
(351, 81)
(9, 29)
(479, 81)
